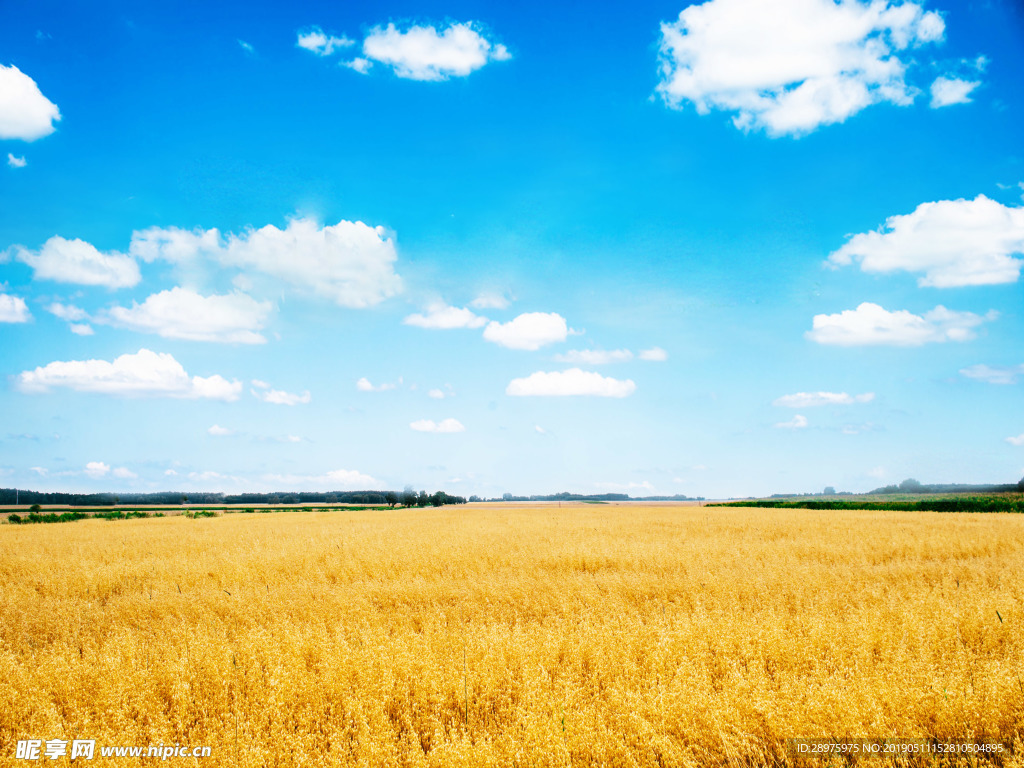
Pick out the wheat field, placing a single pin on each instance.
(512, 635)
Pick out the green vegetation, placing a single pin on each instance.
(70, 517)
(1002, 503)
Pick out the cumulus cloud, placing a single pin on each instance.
(441, 316)
(489, 301)
(181, 313)
(81, 329)
(124, 473)
(790, 66)
(338, 479)
(953, 242)
(870, 324)
(263, 391)
(1018, 440)
(316, 41)
(571, 382)
(365, 385)
(952, 90)
(436, 394)
(424, 53)
(993, 374)
(218, 431)
(814, 399)
(16, 162)
(13, 309)
(653, 355)
(797, 422)
(143, 374)
(350, 263)
(76, 261)
(24, 112)
(529, 331)
(96, 469)
(445, 426)
(595, 356)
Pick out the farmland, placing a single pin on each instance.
(513, 635)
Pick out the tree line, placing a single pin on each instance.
(407, 498)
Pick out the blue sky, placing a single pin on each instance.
(721, 249)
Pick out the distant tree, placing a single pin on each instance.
(1020, 485)
(474, 497)
(391, 498)
(408, 497)
(829, 491)
(34, 508)
(910, 485)
(423, 499)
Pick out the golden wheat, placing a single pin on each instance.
(511, 635)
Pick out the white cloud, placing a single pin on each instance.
(436, 394)
(76, 261)
(41, 471)
(24, 112)
(993, 374)
(247, 47)
(653, 355)
(813, 399)
(489, 301)
(595, 356)
(423, 53)
(570, 382)
(797, 422)
(338, 479)
(953, 242)
(264, 392)
(13, 309)
(539, 429)
(870, 324)
(143, 374)
(359, 64)
(184, 314)
(218, 431)
(96, 469)
(441, 316)
(630, 486)
(529, 331)
(124, 473)
(170, 473)
(316, 41)
(445, 426)
(16, 162)
(174, 244)
(68, 312)
(789, 66)
(73, 315)
(350, 263)
(365, 385)
(952, 90)
(1018, 440)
